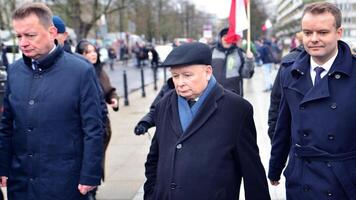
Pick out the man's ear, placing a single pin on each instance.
(53, 31)
(209, 72)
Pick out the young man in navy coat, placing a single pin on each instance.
(316, 124)
(205, 140)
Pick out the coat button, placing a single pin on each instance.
(328, 164)
(32, 179)
(29, 129)
(30, 155)
(31, 102)
(331, 137)
(302, 107)
(179, 146)
(333, 106)
(329, 194)
(173, 186)
(337, 76)
(305, 134)
(306, 188)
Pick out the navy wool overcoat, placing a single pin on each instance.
(51, 135)
(316, 129)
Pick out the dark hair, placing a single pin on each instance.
(324, 7)
(43, 13)
(82, 46)
(223, 32)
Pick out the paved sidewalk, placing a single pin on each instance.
(127, 152)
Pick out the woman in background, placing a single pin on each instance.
(89, 51)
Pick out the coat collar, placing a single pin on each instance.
(300, 72)
(207, 109)
(342, 63)
(48, 61)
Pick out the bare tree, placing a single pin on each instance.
(83, 15)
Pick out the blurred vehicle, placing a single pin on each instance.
(180, 41)
(163, 51)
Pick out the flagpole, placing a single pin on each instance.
(249, 28)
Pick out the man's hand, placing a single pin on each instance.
(249, 54)
(141, 128)
(3, 182)
(114, 104)
(274, 183)
(84, 189)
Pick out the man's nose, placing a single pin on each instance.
(180, 81)
(23, 42)
(315, 37)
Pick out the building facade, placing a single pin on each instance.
(289, 14)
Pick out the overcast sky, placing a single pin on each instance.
(219, 7)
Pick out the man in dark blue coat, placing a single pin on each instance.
(205, 140)
(51, 133)
(316, 123)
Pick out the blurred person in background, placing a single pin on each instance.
(148, 121)
(227, 62)
(4, 59)
(267, 63)
(112, 57)
(62, 34)
(89, 51)
(276, 93)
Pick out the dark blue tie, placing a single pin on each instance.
(191, 103)
(318, 71)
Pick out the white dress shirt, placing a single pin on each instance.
(326, 66)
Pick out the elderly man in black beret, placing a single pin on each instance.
(205, 140)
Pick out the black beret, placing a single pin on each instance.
(189, 54)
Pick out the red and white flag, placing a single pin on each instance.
(238, 21)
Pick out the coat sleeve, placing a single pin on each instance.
(149, 117)
(109, 90)
(253, 173)
(151, 164)
(93, 128)
(6, 131)
(151, 170)
(281, 141)
(274, 105)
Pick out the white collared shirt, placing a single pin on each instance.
(326, 67)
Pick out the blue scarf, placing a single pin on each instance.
(187, 114)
